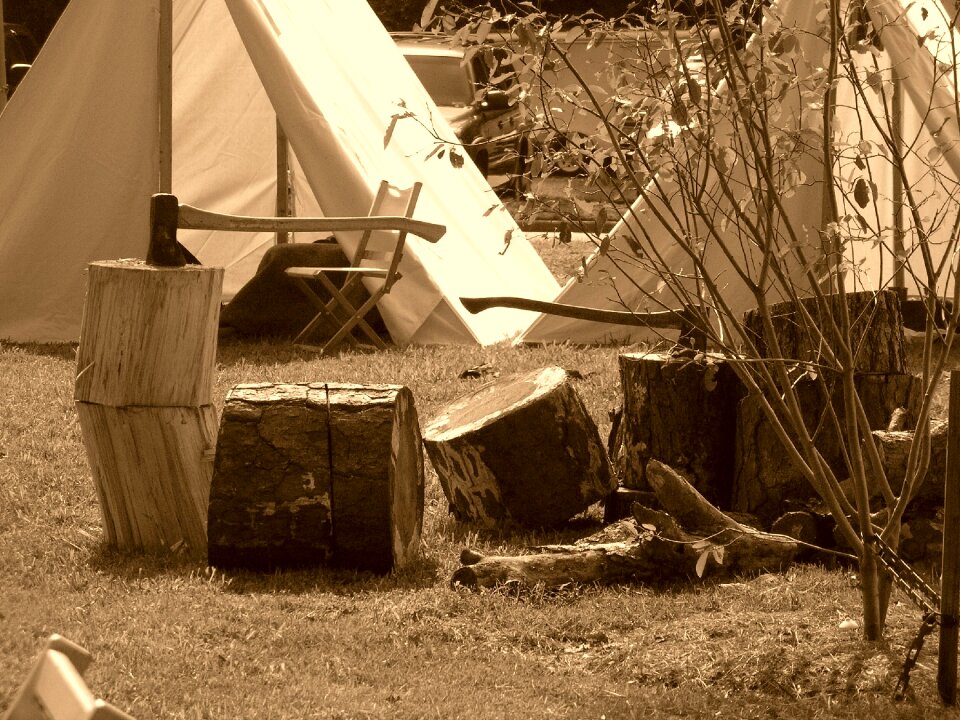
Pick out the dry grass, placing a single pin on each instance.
(175, 639)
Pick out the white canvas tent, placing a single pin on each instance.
(617, 280)
(79, 148)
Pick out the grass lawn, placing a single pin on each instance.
(172, 638)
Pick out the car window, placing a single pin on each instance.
(444, 78)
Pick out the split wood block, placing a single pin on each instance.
(145, 369)
(151, 467)
(149, 335)
(522, 449)
(314, 473)
(877, 330)
(682, 412)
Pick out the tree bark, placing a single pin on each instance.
(650, 547)
(521, 449)
(309, 474)
(877, 331)
(682, 412)
(764, 482)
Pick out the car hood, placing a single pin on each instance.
(458, 117)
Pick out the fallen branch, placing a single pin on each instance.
(652, 546)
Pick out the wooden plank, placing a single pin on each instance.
(284, 204)
(949, 585)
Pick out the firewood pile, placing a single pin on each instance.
(704, 483)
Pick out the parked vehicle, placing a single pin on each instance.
(19, 49)
(472, 96)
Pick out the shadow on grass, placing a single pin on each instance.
(133, 568)
(59, 351)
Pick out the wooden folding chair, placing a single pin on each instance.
(377, 259)
(55, 689)
(378, 254)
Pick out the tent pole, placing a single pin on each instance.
(165, 93)
(283, 182)
(899, 278)
(3, 63)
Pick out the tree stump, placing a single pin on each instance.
(682, 412)
(143, 390)
(317, 473)
(877, 330)
(520, 449)
(764, 479)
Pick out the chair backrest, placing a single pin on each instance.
(55, 689)
(383, 249)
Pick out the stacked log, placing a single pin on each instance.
(145, 369)
(876, 330)
(521, 449)
(317, 473)
(763, 481)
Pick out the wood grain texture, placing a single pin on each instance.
(652, 546)
(149, 335)
(877, 331)
(151, 467)
(682, 412)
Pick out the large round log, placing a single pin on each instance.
(151, 467)
(149, 335)
(316, 473)
(681, 411)
(877, 330)
(521, 449)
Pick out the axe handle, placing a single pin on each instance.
(662, 319)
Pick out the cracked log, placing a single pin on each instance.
(653, 546)
(317, 473)
(520, 449)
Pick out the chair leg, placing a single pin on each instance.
(326, 311)
(356, 320)
(339, 297)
